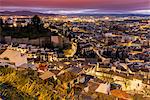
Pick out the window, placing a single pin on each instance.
(75, 81)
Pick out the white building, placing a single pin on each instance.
(13, 57)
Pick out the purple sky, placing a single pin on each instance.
(48, 6)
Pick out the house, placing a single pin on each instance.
(134, 61)
(69, 77)
(31, 54)
(42, 67)
(97, 85)
(75, 70)
(47, 75)
(57, 41)
(12, 56)
(52, 56)
(121, 94)
(26, 66)
(21, 48)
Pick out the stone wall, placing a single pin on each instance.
(38, 41)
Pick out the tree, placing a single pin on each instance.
(71, 51)
(5, 58)
(36, 21)
(1, 25)
(1, 22)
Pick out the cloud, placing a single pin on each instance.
(114, 5)
(141, 12)
(67, 11)
(72, 11)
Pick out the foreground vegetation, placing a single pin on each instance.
(9, 92)
(25, 84)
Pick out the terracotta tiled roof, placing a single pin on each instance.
(121, 94)
(46, 75)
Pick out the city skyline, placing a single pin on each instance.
(78, 6)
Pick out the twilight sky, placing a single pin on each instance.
(78, 6)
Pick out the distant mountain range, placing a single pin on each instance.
(30, 13)
(118, 15)
(24, 13)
